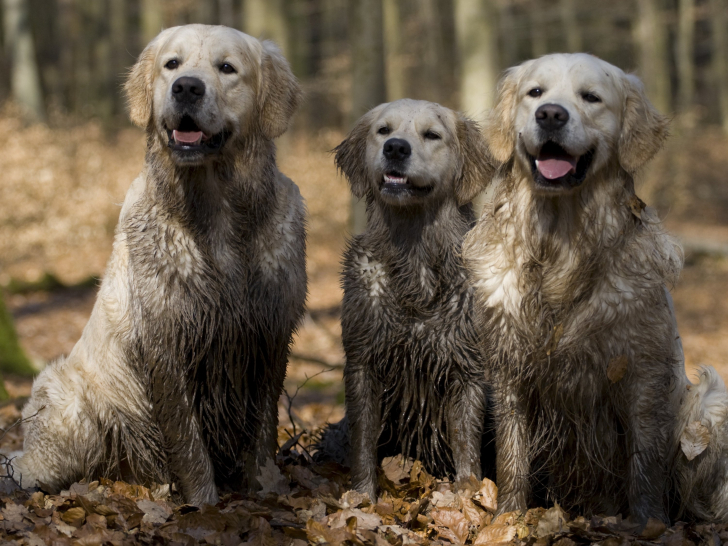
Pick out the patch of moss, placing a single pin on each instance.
(12, 356)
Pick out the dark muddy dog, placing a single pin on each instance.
(178, 372)
(571, 272)
(415, 381)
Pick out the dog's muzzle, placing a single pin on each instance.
(395, 183)
(189, 139)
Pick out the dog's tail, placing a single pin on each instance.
(333, 444)
(702, 461)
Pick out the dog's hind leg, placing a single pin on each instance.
(63, 434)
(465, 418)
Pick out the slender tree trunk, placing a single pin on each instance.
(24, 76)
(719, 20)
(651, 37)
(432, 65)
(477, 38)
(226, 13)
(367, 63)
(152, 19)
(685, 54)
(204, 12)
(120, 58)
(570, 24)
(394, 51)
(509, 41)
(266, 19)
(538, 24)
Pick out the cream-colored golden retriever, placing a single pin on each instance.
(178, 372)
(572, 271)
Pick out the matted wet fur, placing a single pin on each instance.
(415, 381)
(178, 372)
(571, 272)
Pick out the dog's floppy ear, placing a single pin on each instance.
(477, 166)
(644, 129)
(499, 131)
(351, 154)
(280, 93)
(140, 81)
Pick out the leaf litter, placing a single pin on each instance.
(301, 502)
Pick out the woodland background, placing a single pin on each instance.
(68, 153)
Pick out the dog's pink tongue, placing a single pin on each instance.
(189, 137)
(552, 168)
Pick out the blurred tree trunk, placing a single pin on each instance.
(651, 38)
(538, 24)
(685, 54)
(719, 19)
(120, 58)
(204, 12)
(394, 50)
(266, 19)
(436, 67)
(102, 62)
(152, 19)
(367, 64)
(570, 23)
(24, 75)
(477, 38)
(12, 357)
(509, 42)
(225, 13)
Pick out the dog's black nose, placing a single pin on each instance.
(397, 149)
(188, 90)
(551, 117)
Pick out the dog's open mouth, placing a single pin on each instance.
(395, 183)
(555, 169)
(189, 138)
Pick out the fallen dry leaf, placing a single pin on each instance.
(552, 522)
(397, 469)
(495, 534)
(271, 479)
(487, 496)
(653, 529)
(694, 440)
(451, 524)
(617, 368)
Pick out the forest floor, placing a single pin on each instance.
(62, 224)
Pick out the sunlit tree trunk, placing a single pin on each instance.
(121, 59)
(267, 19)
(394, 51)
(538, 24)
(570, 24)
(24, 75)
(152, 19)
(651, 37)
(719, 20)
(509, 49)
(685, 54)
(226, 13)
(366, 23)
(477, 38)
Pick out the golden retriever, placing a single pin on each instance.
(571, 272)
(178, 372)
(415, 380)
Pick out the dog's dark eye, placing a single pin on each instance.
(171, 65)
(227, 68)
(432, 135)
(384, 130)
(591, 97)
(535, 92)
